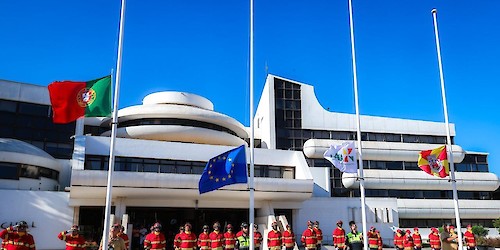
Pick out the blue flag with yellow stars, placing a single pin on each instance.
(225, 169)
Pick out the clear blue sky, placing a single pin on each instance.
(202, 47)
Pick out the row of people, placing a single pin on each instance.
(447, 240)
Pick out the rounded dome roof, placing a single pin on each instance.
(16, 146)
(179, 98)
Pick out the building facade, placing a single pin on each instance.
(163, 144)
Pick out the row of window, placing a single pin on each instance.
(33, 124)
(97, 162)
(14, 171)
(428, 223)
(427, 194)
(175, 121)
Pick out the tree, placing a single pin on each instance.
(496, 224)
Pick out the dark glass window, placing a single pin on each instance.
(29, 171)
(9, 171)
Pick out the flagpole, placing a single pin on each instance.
(251, 184)
(448, 137)
(107, 212)
(358, 132)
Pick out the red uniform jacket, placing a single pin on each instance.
(288, 239)
(155, 241)
(339, 237)
(309, 238)
(257, 239)
(187, 241)
(319, 235)
(274, 239)
(204, 241)
(417, 239)
(216, 240)
(434, 241)
(408, 243)
(372, 240)
(229, 240)
(125, 239)
(469, 239)
(14, 241)
(76, 242)
(177, 241)
(398, 240)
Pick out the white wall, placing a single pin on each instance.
(47, 214)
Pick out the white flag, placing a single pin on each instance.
(343, 157)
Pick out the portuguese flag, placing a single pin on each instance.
(72, 100)
(434, 162)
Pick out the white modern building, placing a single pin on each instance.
(57, 174)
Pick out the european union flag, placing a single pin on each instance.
(225, 169)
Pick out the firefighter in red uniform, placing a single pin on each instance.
(372, 239)
(289, 238)
(229, 238)
(319, 235)
(216, 237)
(187, 239)
(469, 238)
(408, 241)
(434, 239)
(379, 240)
(204, 239)
(176, 237)
(398, 239)
(124, 236)
(17, 238)
(339, 236)
(155, 240)
(417, 239)
(308, 238)
(274, 238)
(257, 237)
(74, 241)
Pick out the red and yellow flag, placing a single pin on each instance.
(434, 162)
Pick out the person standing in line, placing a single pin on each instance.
(274, 240)
(216, 237)
(319, 235)
(136, 235)
(446, 238)
(115, 242)
(398, 239)
(187, 239)
(143, 232)
(243, 238)
(257, 237)
(372, 239)
(408, 241)
(73, 239)
(124, 236)
(469, 238)
(354, 238)
(156, 239)
(289, 238)
(379, 240)
(204, 239)
(229, 238)
(417, 239)
(339, 236)
(308, 238)
(17, 237)
(176, 238)
(434, 239)
(454, 236)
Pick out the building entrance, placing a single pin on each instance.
(91, 218)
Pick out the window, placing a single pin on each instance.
(8, 171)
(29, 171)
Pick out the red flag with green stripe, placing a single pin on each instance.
(72, 100)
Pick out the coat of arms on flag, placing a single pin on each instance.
(434, 162)
(343, 157)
